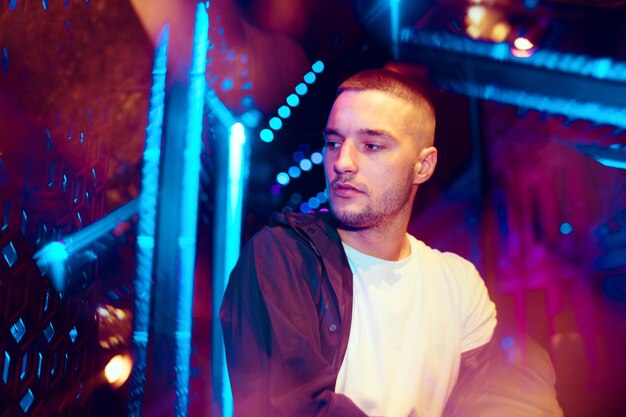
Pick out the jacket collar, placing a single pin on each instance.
(320, 230)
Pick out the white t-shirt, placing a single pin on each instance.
(411, 320)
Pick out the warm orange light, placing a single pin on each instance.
(476, 14)
(473, 31)
(523, 44)
(520, 53)
(500, 31)
(118, 370)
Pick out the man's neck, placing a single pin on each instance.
(389, 243)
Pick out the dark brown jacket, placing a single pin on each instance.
(286, 319)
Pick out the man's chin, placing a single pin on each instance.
(350, 219)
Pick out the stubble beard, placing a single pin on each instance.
(376, 213)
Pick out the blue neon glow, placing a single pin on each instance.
(573, 108)
(306, 164)
(613, 156)
(235, 178)
(5, 59)
(296, 198)
(297, 156)
(266, 135)
(314, 202)
(9, 254)
(284, 112)
(317, 158)
(566, 228)
(275, 189)
(531, 4)
(601, 68)
(305, 208)
(44, 3)
(52, 254)
(322, 197)
(12, 4)
(219, 109)
(146, 224)
(189, 209)
(283, 178)
(294, 172)
(318, 67)
(5, 370)
(276, 123)
(612, 163)
(293, 100)
(301, 89)
(394, 9)
(251, 118)
(507, 342)
(227, 84)
(247, 101)
(309, 77)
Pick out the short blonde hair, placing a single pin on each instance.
(400, 86)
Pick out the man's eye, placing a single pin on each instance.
(373, 147)
(332, 145)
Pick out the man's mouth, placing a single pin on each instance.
(345, 189)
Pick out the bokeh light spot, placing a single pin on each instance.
(294, 172)
(283, 178)
(276, 123)
(293, 100)
(305, 208)
(266, 135)
(314, 202)
(298, 156)
(317, 158)
(566, 228)
(118, 370)
(301, 89)
(275, 189)
(296, 198)
(284, 112)
(309, 77)
(306, 165)
(318, 67)
(227, 84)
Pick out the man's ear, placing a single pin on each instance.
(425, 165)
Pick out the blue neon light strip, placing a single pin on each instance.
(573, 108)
(147, 222)
(219, 109)
(234, 205)
(394, 11)
(189, 208)
(51, 258)
(613, 156)
(600, 68)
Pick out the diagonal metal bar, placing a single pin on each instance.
(147, 223)
(189, 208)
(576, 86)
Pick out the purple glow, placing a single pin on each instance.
(275, 189)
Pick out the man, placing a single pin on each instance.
(348, 315)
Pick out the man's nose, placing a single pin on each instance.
(346, 158)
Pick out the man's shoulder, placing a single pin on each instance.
(440, 258)
(288, 228)
(300, 220)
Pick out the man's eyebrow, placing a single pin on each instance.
(330, 131)
(377, 133)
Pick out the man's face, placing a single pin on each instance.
(371, 158)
